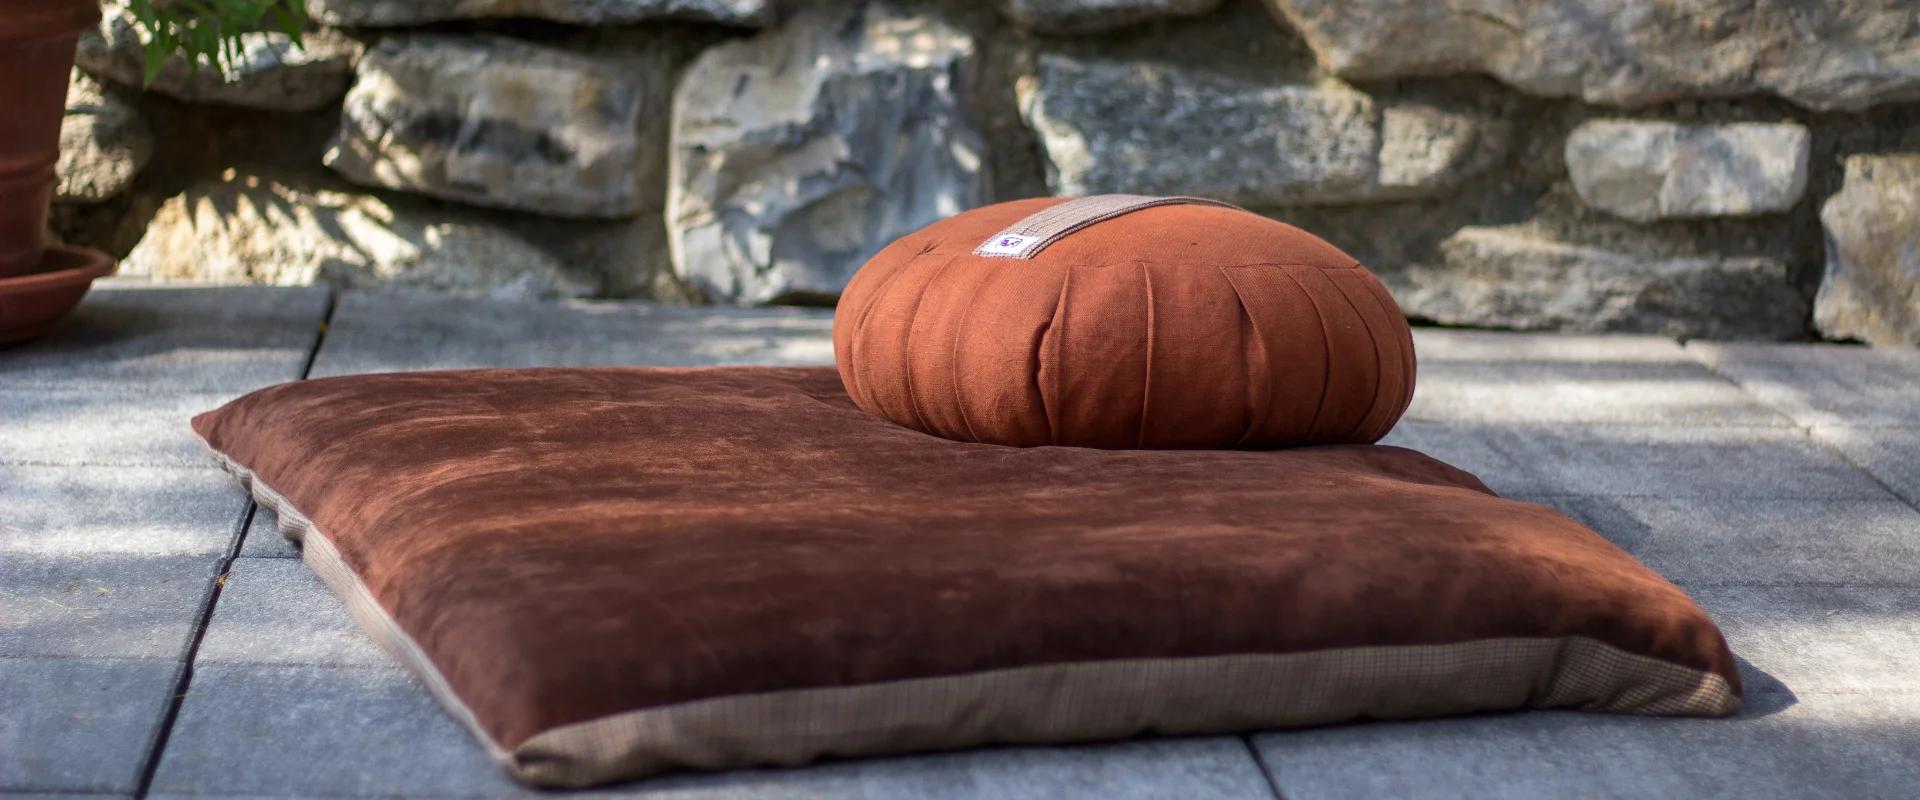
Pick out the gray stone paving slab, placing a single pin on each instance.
(1812, 569)
(1824, 384)
(276, 611)
(1891, 454)
(74, 725)
(1820, 639)
(1478, 450)
(230, 338)
(98, 606)
(291, 731)
(125, 427)
(264, 539)
(122, 510)
(1666, 461)
(1443, 344)
(1565, 504)
(305, 731)
(1201, 769)
(393, 331)
(1545, 393)
(1820, 746)
(1757, 540)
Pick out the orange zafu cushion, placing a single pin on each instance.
(1183, 325)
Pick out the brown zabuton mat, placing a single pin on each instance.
(612, 572)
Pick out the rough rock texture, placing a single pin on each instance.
(630, 255)
(272, 74)
(800, 152)
(377, 13)
(1094, 16)
(797, 151)
(1148, 129)
(498, 122)
(256, 229)
(1872, 287)
(1513, 278)
(104, 143)
(1832, 54)
(1645, 170)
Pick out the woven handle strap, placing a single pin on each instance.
(1026, 238)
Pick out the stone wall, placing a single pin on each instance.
(1732, 170)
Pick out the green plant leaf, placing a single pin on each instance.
(208, 32)
(158, 48)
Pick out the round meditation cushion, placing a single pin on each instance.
(1122, 321)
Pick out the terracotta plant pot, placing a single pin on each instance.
(30, 304)
(37, 286)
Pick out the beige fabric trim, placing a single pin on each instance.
(1026, 238)
(1119, 699)
(1049, 703)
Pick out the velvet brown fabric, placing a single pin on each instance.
(1177, 326)
(569, 544)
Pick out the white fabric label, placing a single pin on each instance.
(1009, 245)
(1039, 230)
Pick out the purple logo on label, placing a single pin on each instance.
(1010, 245)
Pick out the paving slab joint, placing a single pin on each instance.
(1260, 763)
(320, 334)
(234, 545)
(1810, 432)
(152, 765)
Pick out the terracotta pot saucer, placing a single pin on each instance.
(30, 304)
